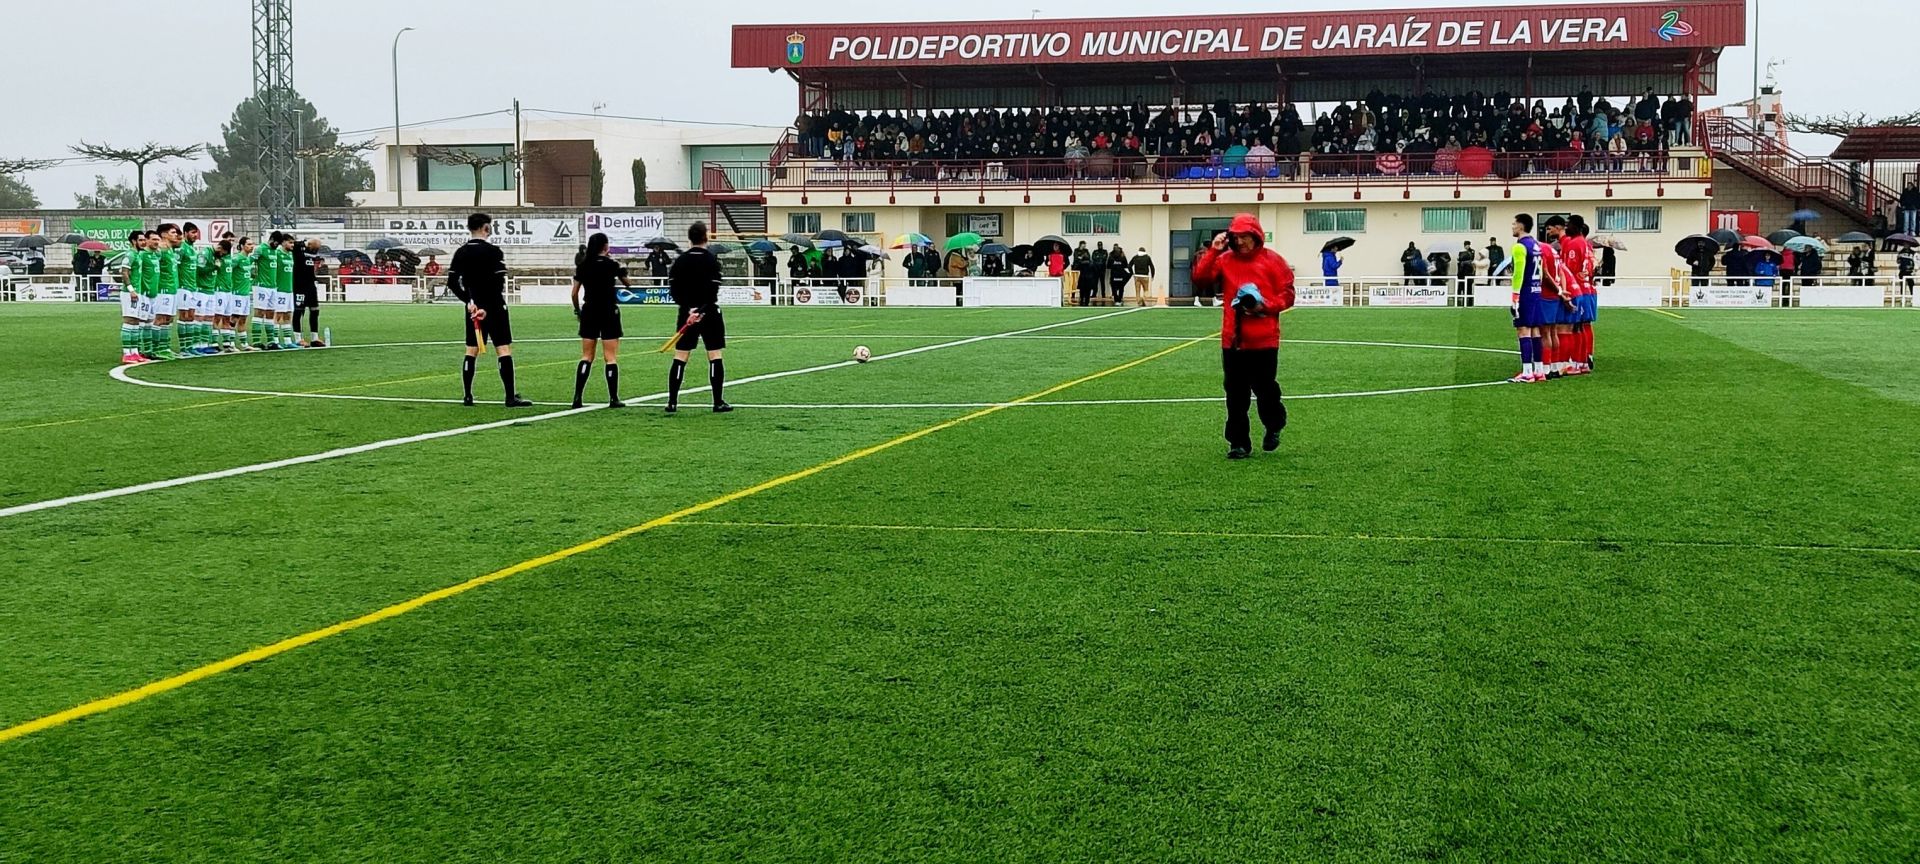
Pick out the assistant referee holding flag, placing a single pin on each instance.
(694, 283)
(478, 275)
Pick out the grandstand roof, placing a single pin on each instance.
(1880, 143)
(1555, 50)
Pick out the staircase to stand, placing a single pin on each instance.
(1843, 186)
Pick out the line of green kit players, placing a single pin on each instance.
(185, 298)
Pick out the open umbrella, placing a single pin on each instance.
(73, 238)
(1726, 237)
(994, 249)
(1259, 159)
(1780, 237)
(1854, 237)
(1694, 244)
(384, 243)
(833, 234)
(1802, 244)
(963, 240)
(1023, 257)
(1756, 242)
(1337, 244)
(722, 248)
(764, 247)
(1903, 240)
(1041, 245)
(431, 251)
(1803, 216)
(1609, 242)
(95, 246)
(873, 250)
(800, 240)
(912, 240)
(32, 241)
(662, 243)
(829, 244)
(1442, 248)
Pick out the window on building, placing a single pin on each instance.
(1453, 220)
(856, 223)
(984, 224)
(1621, 219)
(803, 223)
(1351, 221)
(438, 176)
(1090, 222)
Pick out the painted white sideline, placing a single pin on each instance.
(119, 373)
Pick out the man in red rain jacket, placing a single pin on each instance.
(1257, 285)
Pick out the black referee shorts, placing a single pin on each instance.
(712, 330)
(498, 328)
(601, 324)
(308, 299)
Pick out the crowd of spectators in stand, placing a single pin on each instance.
(1430, 131)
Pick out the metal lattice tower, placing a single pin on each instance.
(273, 86)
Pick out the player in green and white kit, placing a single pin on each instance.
(262, 323)
(283, 293)
(191, 310)
(227, 307)
(167, 300)
(130, 301)
(148, 259)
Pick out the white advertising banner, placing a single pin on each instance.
(626, 231)
(748, 295)
(1730, 296)
(823, 295)
(1633, 294)
(1312, 294)
(1869, 296)
(357, 292)
(1010, 291)
(1407, 295)
(46, 292)
(507, 231)
(933, 295)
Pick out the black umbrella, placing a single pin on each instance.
(1726, 237)
(72, 239)
(432, 251)
(1691, 246)
(800, 240)
(832, 234)
(1337, 244)
(1854, 237)
(384, 243)
(32, 241)
(994, 249)
(1023, 257)
(1041, 243)
(663, 243)
(721, 249)
(1903, 240)
(1780, 237)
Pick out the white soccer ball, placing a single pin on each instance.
(861, 354)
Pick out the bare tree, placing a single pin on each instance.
(479, 161)
(139, 157)
(317, 155)
(21, 166)
(1842, 125)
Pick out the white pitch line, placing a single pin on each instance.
(119, 373)
(1211, 400)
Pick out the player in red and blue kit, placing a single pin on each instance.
(1557, 287)
(1577, 251)
(1528, 312)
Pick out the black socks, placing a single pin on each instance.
(613, 383)
(466, 377)
(580, 380)
(506, 375)
(716, 377)
(675, 374)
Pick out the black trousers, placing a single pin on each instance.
(1249, 376)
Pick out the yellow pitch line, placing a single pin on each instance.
(1668, 314)
(215, 402)
(123, 699)
(1279, 535)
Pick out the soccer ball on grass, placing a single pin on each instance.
(861, 354)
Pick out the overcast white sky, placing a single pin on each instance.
(94, 65)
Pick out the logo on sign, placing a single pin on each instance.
(1671, 26)
(797, 48)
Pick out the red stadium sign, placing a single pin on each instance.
(1683, 24)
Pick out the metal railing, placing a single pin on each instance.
(1842, 184)
(1102, 172)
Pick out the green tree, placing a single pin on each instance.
(639, 183)
(333, 168)
(172, 190)
(118, 195)
(150, 153)
(597, 183)
(15, 194)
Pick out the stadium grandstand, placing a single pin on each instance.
(1430, 126)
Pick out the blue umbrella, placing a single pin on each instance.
(764, 247)
(1803, 216)
(993, 249)
(1802, 244)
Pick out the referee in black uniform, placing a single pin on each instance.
(599, 314)
(694, 283)
(478, 275)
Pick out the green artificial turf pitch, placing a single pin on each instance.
(1663, 613)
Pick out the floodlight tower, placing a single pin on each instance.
(273, 88)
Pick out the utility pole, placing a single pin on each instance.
(399, 182)
(519, 178)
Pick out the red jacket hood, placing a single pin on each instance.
(1246, 223)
